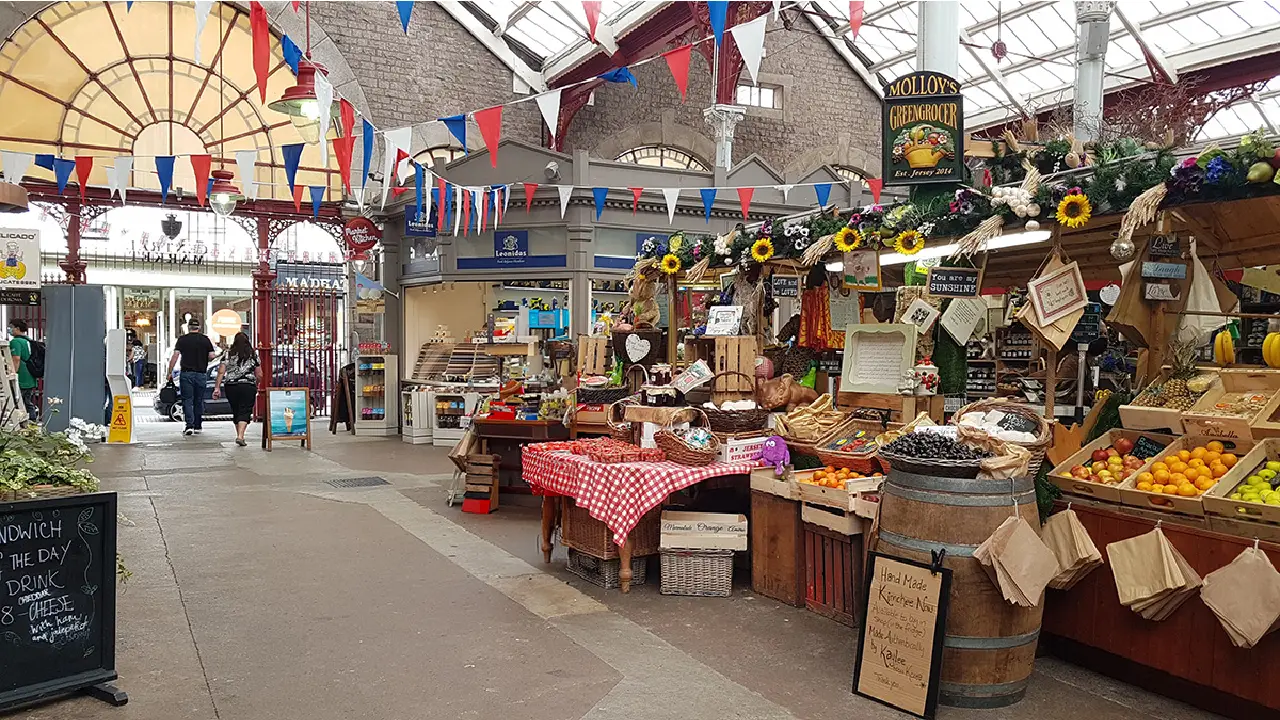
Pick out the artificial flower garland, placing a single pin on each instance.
(908, 242)
(670, 264)
(762, 250)
(1074, 210)
(848, 239)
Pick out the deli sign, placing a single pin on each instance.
(923, 130)
(360, 234)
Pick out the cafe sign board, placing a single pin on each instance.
(923, 130)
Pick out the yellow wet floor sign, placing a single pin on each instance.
(121, 430)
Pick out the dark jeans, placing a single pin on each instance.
(29, 399)
(139, 372)
(193, 385)
(241, 396)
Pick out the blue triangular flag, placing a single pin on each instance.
(708, 198)
(317, 194)
(368, 152)
(164, 170)
(620, 75)
(292, 53)
(128, 6)
(62, 170)
(457, 125)
(292, 156)
(718, 10)
(208, 191)
(405, 8)
(435, 203)
(45, 160)
(824, 193)
(448, 205)
(418, 177)
(599, 193)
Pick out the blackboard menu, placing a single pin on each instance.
(57, 596)
(955, 282)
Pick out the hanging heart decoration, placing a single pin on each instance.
(637, 348)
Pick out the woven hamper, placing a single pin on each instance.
(605, 573)
(700, 573)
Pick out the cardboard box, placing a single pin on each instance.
(703, 531)
(1217, 502)
(1131, 495)
(765, 480)
(844, 522)
(740, 449)
(591, 414)
(1196, 422)
(1061, 475)
(1135, 417)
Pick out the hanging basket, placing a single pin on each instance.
(734, 421)
(679, 451)
(1044, 432)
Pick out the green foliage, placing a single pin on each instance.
(1109, 415)
(1046, 492)
(949, 356)
(31, 456)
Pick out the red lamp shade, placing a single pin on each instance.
(224, 195)
(299, 102)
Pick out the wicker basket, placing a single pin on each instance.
(586, 534)
(865, 463)
(40, 492)
(679, 451)
(701, 573)
(606, 573)
(601, 396)
(731, 421)
(931, 466)
(619, 428)
(1044, 437)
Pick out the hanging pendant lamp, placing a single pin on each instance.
(299, 102)
(224, 195)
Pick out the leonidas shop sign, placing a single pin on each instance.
(923, 129)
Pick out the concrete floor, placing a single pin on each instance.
(259, 591)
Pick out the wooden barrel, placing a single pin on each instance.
(990, 645)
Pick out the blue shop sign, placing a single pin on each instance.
(416, 226)
(511, 247)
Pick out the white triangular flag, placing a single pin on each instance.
(565, 192)
(247, 164)
(397, 139)
(359, 192)
(427, 179)
(605, 38)
(785, 189)
(457, 209)
(672, 195)
(777, 5)
(324, 99)
(750, 40)
(110, 172)
(549, 104)
(506, 198)
(202, 16)
(15, 165)
(123, 170)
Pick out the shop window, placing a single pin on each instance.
(849, 173)
(761, 96)
(663, 156)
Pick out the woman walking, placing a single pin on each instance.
(240, 372)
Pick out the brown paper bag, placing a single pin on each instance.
(1245, 595)
(1071, 545)
(1142, 568)
(987, 551)
(1028, 562)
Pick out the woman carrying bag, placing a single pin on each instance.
(240, 371)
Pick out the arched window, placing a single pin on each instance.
(443, 152)
(663, 156)
(850, 173)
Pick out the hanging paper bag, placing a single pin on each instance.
(1201, 298)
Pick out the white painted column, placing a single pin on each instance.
(938, 41)
(1092, 37)
(723, 119)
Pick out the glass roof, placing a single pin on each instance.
(547, 29)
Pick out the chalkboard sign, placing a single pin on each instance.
(57, 597)
(1145, 448)
(1164, 246)
(900, 643)
(786, 286)
(955, 282)
(1019, 423)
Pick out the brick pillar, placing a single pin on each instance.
(72, 265)
(262, 294)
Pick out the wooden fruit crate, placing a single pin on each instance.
(595, 357)
(1132, 496)
(1196, 422)
(1136, 417)
(1217, 502)
(777, 552)
(832, 573)
(1061, 475)
(844, 522)
(733, 354)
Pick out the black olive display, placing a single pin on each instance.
(925, 445)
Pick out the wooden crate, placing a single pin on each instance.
(902, 408)
(832, 573)
(1061, 475)
(766, 480)
(1196, 422)
(734, 354)
(1216, 501)
(777, 554)
(845, 522)
(1135, 417)
(481, 490)
(1131, 495)
(595, 357)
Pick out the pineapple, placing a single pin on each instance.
(1177, 395)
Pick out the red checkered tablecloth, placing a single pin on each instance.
(617, 494)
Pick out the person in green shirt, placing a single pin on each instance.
(20, 346)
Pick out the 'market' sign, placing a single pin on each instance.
(923, 129)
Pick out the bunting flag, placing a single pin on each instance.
(672, 195)
(466, 211)
(749, 37)
(823, 191)
(317, 195)
(605, 39)
(123, 169)
(164, 172)
(200, 165)
(405, 8)
(455, 207)
(876, 185)
(744, 199)
(208, 188)
(484, 209)
(260, 30)
(15, 165)
(718, 11)
(855, 19)
(506, 199)
(344, 147)
(297, 197)
(292, 156)
(457, 126)
(347, 117)
(635, 198)
(112, 184)
(708, 199)
(324, 100)
(202, 8)
(44, 160)
(84, 166)
(296, 4)
(418, 181)
(785, 190)
(529, 190)
(592, 10)
(621, 75)
(490, 122)
(128, 6)
(678, 64)
(442, 201)
(395, 140)
(404, 167)
(565, 192)
(246, 163)
(549, 104)
(599, 194)
(777, 6)
(366, 129)
(62, 171)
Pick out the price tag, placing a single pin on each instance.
(1018, 423)
(1145, 448)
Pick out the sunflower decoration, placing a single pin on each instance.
(670, 264)
(1074, 210)
(762, 250)
(848, 239)
(908, 242)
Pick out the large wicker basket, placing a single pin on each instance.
(701, 573)
(679, 451)
(601, 396)
(732, 421)
(586, 534)
(1044, 434)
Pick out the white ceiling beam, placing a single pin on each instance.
(622, 22)
(840, 44)
(494, 44)
(993, 72)
(517, 14)
(573, 18)
(886, 10)
(1152, 51)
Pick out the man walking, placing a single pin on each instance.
(20, 347)
(195, 351)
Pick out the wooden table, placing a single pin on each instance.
(504, 438)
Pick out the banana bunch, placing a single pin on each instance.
(1271, 350)
(810, 422)
(1224, 348)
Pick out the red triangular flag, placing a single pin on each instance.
(592, 9)
(401, 156)
(876, 185)
(490, 122)
(260, 30)
(296, 4)
(347, 113)
(297, 196)
(442, 203)
(744, 199)
(200, 164)
(466, 211)
(500, 198)
(84, 166)
(635, 198)
(529, 190)
(484, 209)
(678, 62)
(343, 147)
(398, 191)
(855, 19)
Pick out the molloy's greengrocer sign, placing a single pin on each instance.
(19, 258)
(360, 234)
(923, 129)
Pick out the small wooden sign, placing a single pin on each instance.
(955, 282)
(1164, 246)
(287, 416)
(1159, 291)
(900, 644)
(1164, 271)
(786, 286)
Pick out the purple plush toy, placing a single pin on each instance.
(775, 453)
